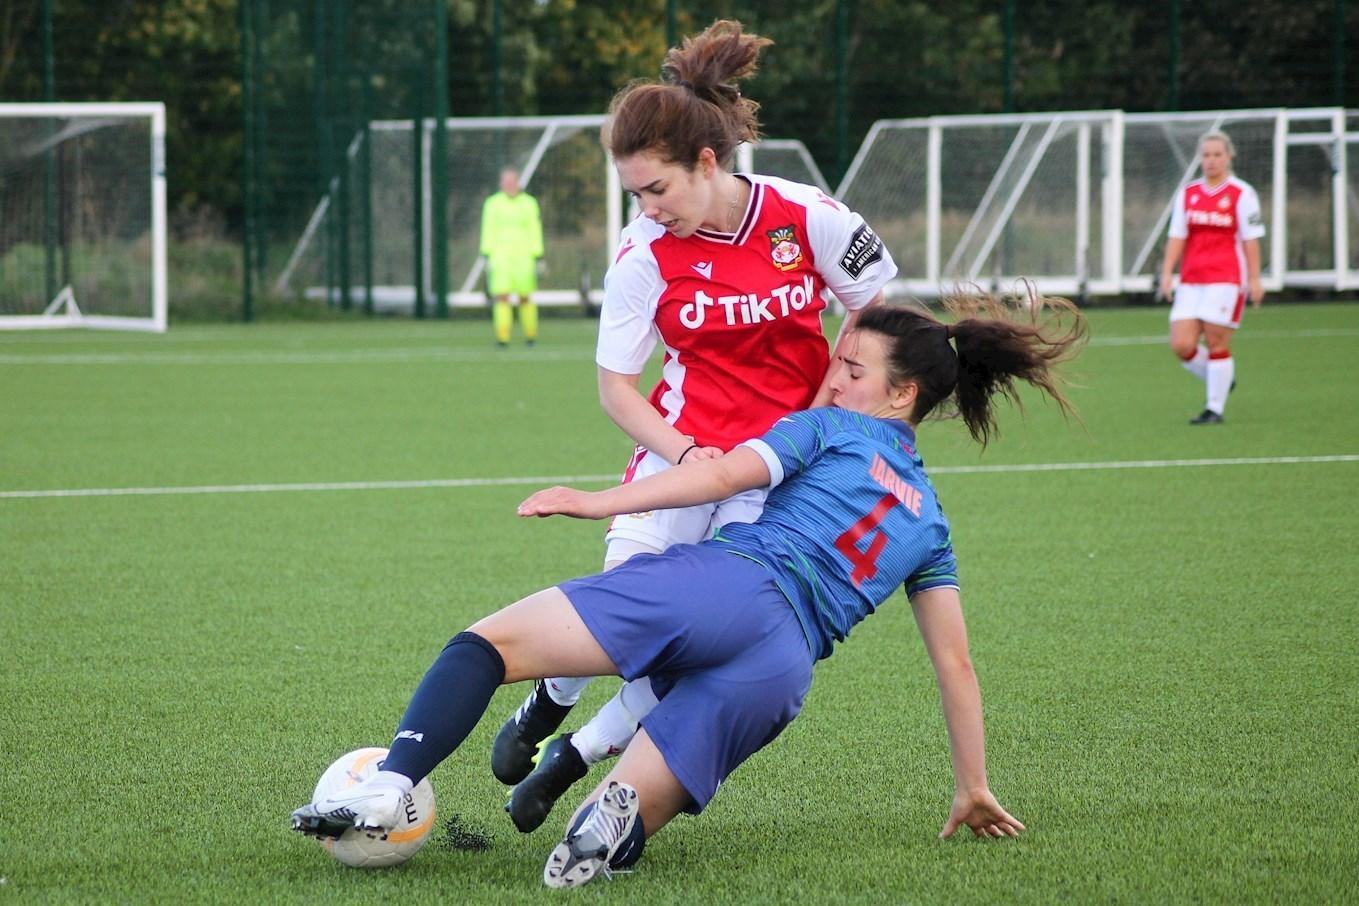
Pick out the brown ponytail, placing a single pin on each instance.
(696, 104)
(967, 363)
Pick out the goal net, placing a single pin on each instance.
(1079, 202)
(787, 158)
(383, 228)
(373, 232)
(82, 216)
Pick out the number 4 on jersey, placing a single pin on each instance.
(865, 563)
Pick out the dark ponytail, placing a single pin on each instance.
(966, 364)
(697, 103)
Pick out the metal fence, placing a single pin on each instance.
(315, 74)
(264, 97)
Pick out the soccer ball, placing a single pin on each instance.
(374, 849)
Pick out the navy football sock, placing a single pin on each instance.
(446, 706)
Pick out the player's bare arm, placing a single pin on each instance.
(1255, 288)
(623, 402)
(939, 616)
(689, 484)
(1174, 249)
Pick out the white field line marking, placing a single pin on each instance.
(336, 357)
(570, 353)
(298, 335)
(1144, 464)
(1249, 335)
(548, 480)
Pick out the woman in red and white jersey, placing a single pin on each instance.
(1216, 226)
(726, 272)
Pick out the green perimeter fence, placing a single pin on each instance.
(269, 101)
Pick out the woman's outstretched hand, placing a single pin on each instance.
(980, 811)
(561, 501)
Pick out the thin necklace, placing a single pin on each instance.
(731, 210)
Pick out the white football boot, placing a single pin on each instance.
(368, 805)
(587, 848)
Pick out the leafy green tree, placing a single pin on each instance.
(20, 75)
(365, 59)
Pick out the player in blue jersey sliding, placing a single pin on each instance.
(728, 630)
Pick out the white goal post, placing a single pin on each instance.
(83, 229)
(561, 163)
(1078, 202)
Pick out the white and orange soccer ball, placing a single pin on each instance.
(373, 849)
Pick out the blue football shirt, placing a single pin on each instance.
(851, 517)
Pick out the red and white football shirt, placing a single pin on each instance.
(1214, 223)
(739, 313)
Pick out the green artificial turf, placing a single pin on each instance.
(1169, 655)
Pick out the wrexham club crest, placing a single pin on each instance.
(783, 248)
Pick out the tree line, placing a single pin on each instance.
(905, 58)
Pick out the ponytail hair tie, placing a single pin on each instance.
(685, 83)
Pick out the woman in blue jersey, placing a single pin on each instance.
(851, 516)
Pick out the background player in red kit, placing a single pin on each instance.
(726, 271)
(1216, 225)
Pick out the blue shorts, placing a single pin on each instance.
(723, 647)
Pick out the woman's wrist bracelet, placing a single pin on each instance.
(686, 453)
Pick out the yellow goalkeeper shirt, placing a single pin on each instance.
(511, 228)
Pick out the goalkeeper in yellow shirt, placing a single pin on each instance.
(512, 243)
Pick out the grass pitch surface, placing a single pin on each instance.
(1168, 652)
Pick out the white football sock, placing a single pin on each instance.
(609, 732)
(1198, 365)
(566, 690)
(392, 778)
(1220, 375)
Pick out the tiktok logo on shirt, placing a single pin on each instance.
(1211, 218)
(750, 308)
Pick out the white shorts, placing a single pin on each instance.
(1213, 303)
(658, 529)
